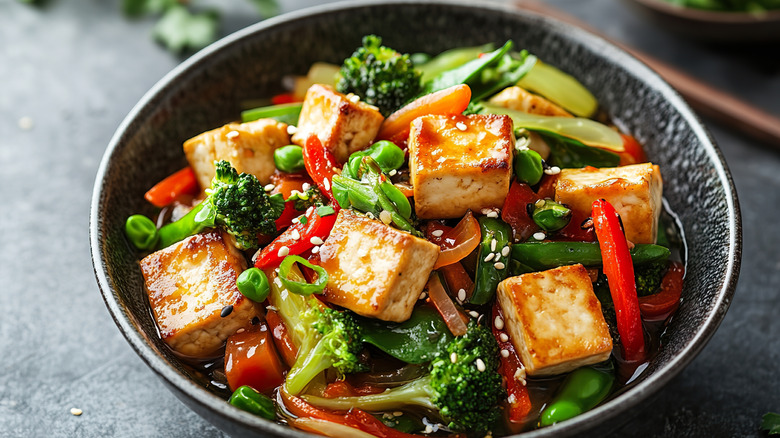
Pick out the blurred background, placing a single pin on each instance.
(71, 70)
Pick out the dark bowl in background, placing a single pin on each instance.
(713, 26)
(207, 90)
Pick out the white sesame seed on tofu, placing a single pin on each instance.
(283, 251)
(499, 265)
(291, 130)
(461, 126)
(316, 241)
(437, 233)
(480, 365)
(503, 337)
(232, 134)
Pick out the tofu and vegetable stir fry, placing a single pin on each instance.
(407, 244)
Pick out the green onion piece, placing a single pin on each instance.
(325, 210)
(253, 284)
(285, 113)
(301, 287)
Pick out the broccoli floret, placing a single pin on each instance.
(310, 198)
(330, 339)
(463, 385)
(380, 76)
(649, 276)
(241, 205)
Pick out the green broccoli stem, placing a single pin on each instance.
(312, 360)
(417, 393)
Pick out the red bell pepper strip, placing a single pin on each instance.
(355, 418)
(515, 211)
(574, 232)
(619, 269)
(284, 98)
(659, 306)
(520, 401)
(633, 152)
(296, 238)
(288, 214)
(320, 164)
(170, 188)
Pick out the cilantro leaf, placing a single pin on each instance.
(180, 30)
(771, 422)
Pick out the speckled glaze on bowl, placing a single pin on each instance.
(206, 91)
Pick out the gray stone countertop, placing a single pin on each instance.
(71, 71)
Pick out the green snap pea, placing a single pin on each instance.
(492, 264)
(253, 284)
(582, 390)
(548, 255)
(550, 215)
(141, 231)
(398, 198)
(247, 399)
(289, 158)
(528, 166)
(285, 113)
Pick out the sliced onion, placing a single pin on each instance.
(458, 242)
(328, 428)
(445, 306)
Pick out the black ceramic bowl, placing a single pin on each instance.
(206, 91)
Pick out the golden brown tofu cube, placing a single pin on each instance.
(460, 163)
(554, 320)
(343, 125)
(517, 98)
(189, 283)
(249, 147)
(373, 269)
(635, 191)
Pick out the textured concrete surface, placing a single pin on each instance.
(70, 72)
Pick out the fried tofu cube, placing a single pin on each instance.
(249, 147)
(374, 269)
(460, 163)
(554, 320)
(519, 99)
(635, 192)
(189, 284)
(343, 125)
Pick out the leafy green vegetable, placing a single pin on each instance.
(771, 423)
(569, 153)
(416, 340)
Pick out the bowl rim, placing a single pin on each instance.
(710, 16)
(217, 405)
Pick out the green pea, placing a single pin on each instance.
(528, 166)
(141, 231)
(551, 216)
(387, 155)
(253, 284)
(289, 158)
(247, 399)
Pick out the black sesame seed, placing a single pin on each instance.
(227, 310)
(529, 208)
(255, 320)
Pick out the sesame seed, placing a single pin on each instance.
(76, 411)
(227, 310)
(539, 236)
(316, 241)
(283, 251)
(481, 365)
(428, 428)
(315, 250)
(387, 415)
(555, 170)
(454, 357)
(499, 265)
(460, 125)
(511, 399)
(241, 330)
(393, 172)
(503, 337)
(269, 187)
(485, 211)
(423, 295)
(398, 413)
(295, 234)
(305, 187)
(232, 134)
(291, 130)
(489, 257)
(272, 308)
(492, 214)
(462, 295)
(385, 217)
(505, 251)
(540, 203)
(354, 98)
(370, 215)
(474, 313)
(326, 183)
(505, 353)
(26, 124)
(278, 282)
(493, 244)
(499, 323)
(437, 233)
(296, 220)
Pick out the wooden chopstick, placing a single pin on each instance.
(706, 100)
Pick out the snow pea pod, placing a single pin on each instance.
(285, 113)
(582, 390)
(416, 340)
(249, 400)
(492, 265)
(547, 255)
